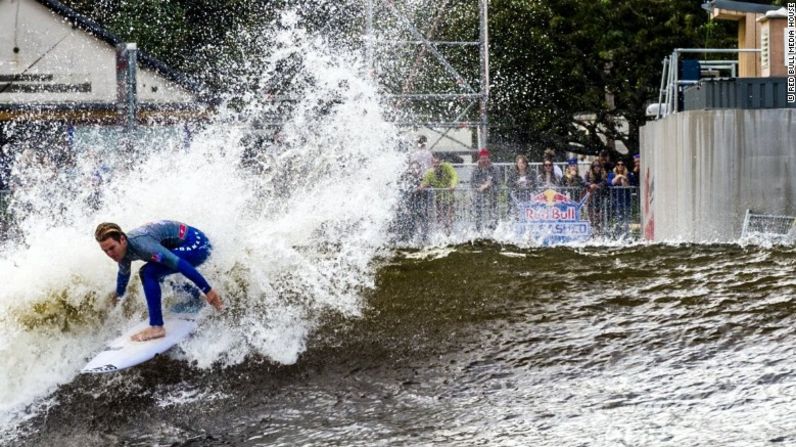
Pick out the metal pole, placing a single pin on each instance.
(483, 134)
(126, 93)
(668, 87)
(664, 75)
(674, 86)
(132, 92)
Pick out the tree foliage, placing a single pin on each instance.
(567, 71)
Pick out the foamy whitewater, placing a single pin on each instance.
(294, 236)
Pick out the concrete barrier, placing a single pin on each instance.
(701, 171)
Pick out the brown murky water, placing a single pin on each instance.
(493, 345)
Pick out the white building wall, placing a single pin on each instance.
(49, 45)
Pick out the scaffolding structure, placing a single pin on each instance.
(465, 96)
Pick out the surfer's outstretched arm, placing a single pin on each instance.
(195, 277)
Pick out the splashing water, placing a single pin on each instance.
(293, 240)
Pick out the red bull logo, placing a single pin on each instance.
(551, 205)
(550, 197)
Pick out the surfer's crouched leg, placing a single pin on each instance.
(151, 274)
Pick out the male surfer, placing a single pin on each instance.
(169, 247)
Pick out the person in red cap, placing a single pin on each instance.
(484, 182)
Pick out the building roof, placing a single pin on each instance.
(738, 6)
(86, 24)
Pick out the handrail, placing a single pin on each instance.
(670, 76)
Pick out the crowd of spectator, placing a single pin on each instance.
(606, 187)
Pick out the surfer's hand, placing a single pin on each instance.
(214, 300)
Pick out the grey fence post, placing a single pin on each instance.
(126, 91)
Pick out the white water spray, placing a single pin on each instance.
(292, 241)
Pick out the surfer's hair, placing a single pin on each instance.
(108, 230)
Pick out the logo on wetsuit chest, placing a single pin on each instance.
(183, 230)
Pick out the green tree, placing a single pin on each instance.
(567, 71)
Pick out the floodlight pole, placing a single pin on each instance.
(483, 134)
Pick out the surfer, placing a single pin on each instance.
(168, 247)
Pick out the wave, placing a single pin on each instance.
(295, 228)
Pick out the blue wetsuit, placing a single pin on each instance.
(168, 247)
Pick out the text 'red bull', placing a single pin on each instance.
(568, 213)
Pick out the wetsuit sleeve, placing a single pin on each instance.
(151, 250)
(122, 278)
(191, 273)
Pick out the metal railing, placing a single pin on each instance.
(770, 227)
(613, 212)
(670, 93)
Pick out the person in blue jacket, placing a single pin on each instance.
(168, 247)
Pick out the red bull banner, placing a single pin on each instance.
(551, 217)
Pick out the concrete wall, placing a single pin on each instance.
(703, 169)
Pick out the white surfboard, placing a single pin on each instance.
(123, 352)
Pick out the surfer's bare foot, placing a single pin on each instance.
(149, 333)
(214, 300)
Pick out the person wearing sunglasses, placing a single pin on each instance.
(548, 178)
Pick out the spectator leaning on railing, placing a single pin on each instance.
(619, 181)
(597, 184)
(484, 182)
(619, 176)
(572, 178)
